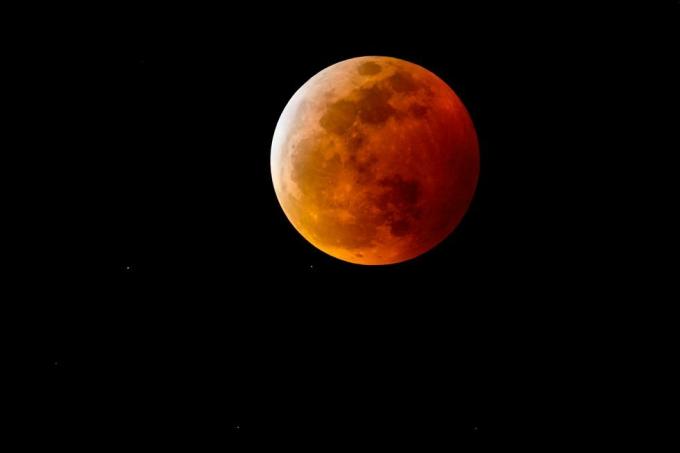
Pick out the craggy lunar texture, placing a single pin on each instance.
(375, 160)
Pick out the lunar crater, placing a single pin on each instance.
(369, 68)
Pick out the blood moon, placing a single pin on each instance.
(374, 160)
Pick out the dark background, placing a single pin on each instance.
(172, 304)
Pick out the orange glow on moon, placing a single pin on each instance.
(375, 160)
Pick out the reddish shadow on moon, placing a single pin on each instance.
(375, 160)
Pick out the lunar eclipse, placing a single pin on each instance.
(375, 160)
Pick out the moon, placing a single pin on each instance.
(375, 160)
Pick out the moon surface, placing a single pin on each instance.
(375, 160)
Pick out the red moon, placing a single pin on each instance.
(375, 160)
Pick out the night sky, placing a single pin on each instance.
(176, 306)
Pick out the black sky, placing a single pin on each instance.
(175, 305)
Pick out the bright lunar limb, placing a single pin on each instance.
(374, 160)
